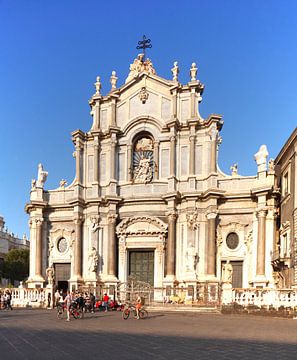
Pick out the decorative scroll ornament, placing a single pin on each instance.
(143, 95)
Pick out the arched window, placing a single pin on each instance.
(143, 159)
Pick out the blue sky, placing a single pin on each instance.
(52, 51)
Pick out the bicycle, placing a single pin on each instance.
(61, 309)
(143, 314)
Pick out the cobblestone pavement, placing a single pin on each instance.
(38, 334)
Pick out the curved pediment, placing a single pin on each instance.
(139, 225)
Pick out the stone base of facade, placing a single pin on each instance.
(35, 283)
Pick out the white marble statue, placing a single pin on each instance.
(63, 183)
(271, 165)
(191, 257)
(50, 273)
(93, 260)
(41, 177)
(227, 272)
(143, 172)
(261, 158)
(234, 169)
(175, 71)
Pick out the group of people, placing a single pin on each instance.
(5, 300)
(83, 301)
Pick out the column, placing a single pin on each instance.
(192, 155)
(38, 250)
(213, 151)
(211, 244)
(78, 249)
(78, 148)
(113, 112)
(156, 158)
(112, 249)
(174, 105)
(129, 163)
(193, 103)
(261, 242)
(172, 155)
(171, 243)
(96, 160)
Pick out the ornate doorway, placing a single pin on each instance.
(141, 266)
(62, 275)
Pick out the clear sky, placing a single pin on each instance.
(52, 51)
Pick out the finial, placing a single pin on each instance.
(193, 72)
(175, 71)
(113, 80)
(97, 85)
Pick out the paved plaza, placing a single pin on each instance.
(38, 334)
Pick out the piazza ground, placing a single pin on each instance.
(38, 334)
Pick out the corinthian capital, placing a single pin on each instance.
(172, 216)
(78, 219)
(261, 213)
(211, 214)
(112, 218)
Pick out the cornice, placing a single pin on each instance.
(284, 149)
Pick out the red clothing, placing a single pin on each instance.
(105, 298)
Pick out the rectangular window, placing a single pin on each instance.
(285, 184)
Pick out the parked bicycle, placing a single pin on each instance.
(73, 309)
(130, 308)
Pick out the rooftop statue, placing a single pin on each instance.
(139, 65)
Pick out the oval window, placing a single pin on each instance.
(232, 240)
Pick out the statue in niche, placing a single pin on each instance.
(50, 273)
(143, 160)
(227, 272)
(93, 260)
(143, 172)
(191, 257)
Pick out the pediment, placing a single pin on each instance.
(139, 225)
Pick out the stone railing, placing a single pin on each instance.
(275, 298)
(23, 297)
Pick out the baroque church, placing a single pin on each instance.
(149, 200)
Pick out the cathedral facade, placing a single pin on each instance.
(148, 200)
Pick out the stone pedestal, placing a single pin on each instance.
(226, 293)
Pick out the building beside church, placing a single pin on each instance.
(149, 199)
(9, 241)
(285, 254)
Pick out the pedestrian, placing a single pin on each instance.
(68, 301)
(8, 300)
(105, 302)
(92, 300)
(57, 298)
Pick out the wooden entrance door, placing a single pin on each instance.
(141, 265)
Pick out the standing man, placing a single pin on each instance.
(68, 301)
(57, 298)
(105, 301)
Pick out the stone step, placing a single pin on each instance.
(196, 309)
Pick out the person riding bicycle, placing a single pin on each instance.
(138, 305)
